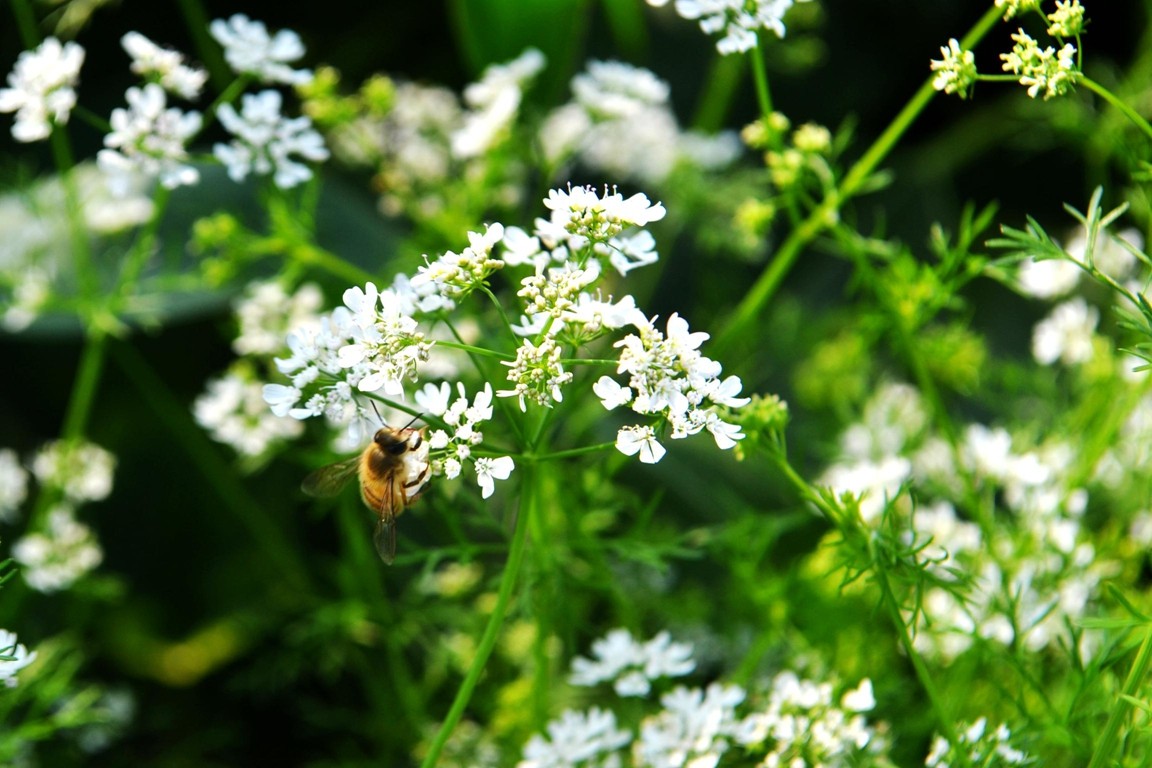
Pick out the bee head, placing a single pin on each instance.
(390, 441)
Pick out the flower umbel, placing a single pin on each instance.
(41, 88)
(1042, 71)
(265, 141)
(956, 71)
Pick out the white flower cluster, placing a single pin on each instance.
(80, 471)
(454, 275)
(620, 122)
(41, 88)
(738, 20)
(250, 50)
(13, 484)
(632, 666)
(267, 312)
(149, 138)
(668, 377)
(150, 60)
(1025, 586)
(800, 723)
(1041, 70)
(976, 745)
(493, 103)
(955, 71)
(1066, 334)
(13, 658)
(453, 446)
(386, 340)
(265, 142)
(57, 558)
(587, 739)
(233, 411)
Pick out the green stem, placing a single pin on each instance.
(472, 350)
(760, 76)
(827, 212)
(529, 500)
(943, 720)
(1102, 756)
(1115, 101)
(84, 387)
(573, 452)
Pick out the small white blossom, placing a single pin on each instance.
(537, 373)
(493, 103)
(738, 20)
(81, 471)
(695, 728)
(1047, 279)
(576, 739)
(490, 469)
(56, 559)
(640, 440)
(166, 65)
(234, 409)
(41, 88)
(265, 141)
(249, 49)
(1065, 335)
(454, 275)
(579, 212)
(1046, 71)
(13, 484)
(148, 138)
(266, 312)
(976, 745)
(956, 71)
(388, 343)
(613, 89)
(18, 658)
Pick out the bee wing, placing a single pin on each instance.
(385, 537)
(327, 481)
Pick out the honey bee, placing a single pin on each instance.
(393, 470)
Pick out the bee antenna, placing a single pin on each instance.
(378, 416)
(414, 420)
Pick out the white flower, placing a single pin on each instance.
(627, 252)
(388, 344)
(1047, 279)
(576, 738)
(1065, 335)
(20, 657)
(149, 59)
(693, 729)
(640, 439)
(1046, 70)
(266, 313)
(537, 373)
(82, 471)
(610, 392)
(860, 699)
(265, 141)
(41, 88)
(739, 20)
(956, 71)
(149, 139)
(434, 399)
(494, 101)
(56, 559)
(613, 89)
(249, 49)
(234, 409)
(579, 212)
(13, 484)
(489, 469)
